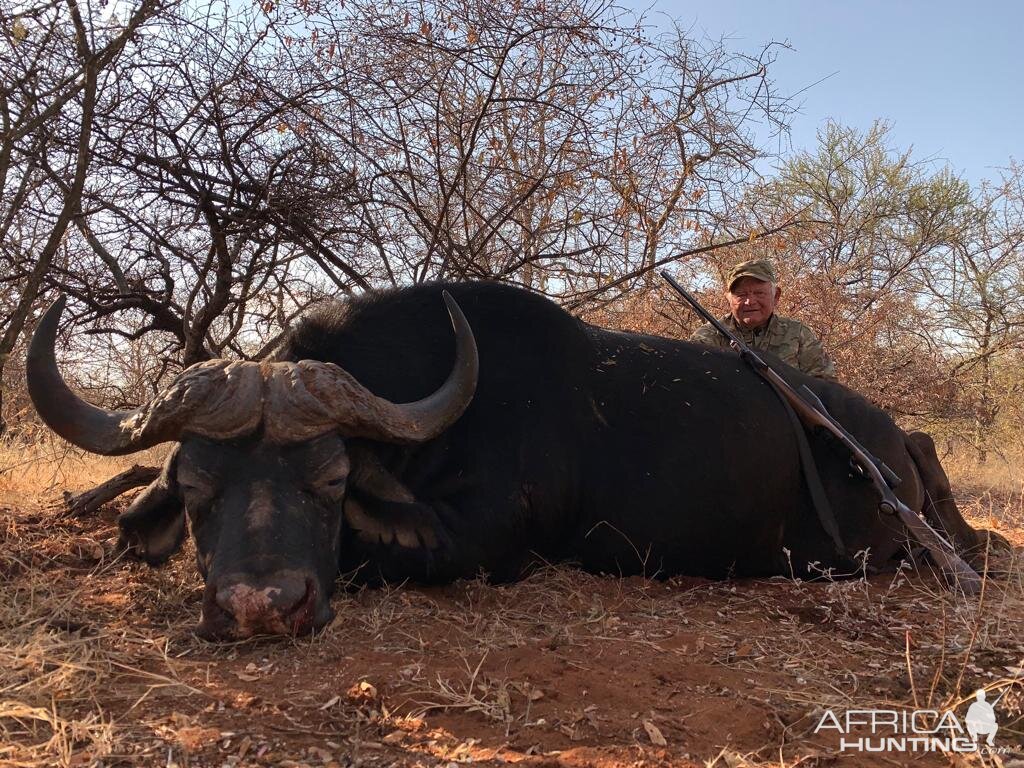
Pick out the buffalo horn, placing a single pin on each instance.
(222, 400)
(306, 398)
(216, 399)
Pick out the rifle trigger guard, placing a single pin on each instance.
(857, 469)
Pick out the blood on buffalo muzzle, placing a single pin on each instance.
(283, 604)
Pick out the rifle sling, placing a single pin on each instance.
(819, 498)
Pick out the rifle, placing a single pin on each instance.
(813, 414)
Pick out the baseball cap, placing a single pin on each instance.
(759, 269)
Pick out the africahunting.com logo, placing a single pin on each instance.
(918, 730)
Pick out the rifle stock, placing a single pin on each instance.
(813, 413)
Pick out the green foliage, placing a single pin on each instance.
(870, 211)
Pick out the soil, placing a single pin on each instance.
(561, 669)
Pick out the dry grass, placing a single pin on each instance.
(63, 652)
(43, 469)
(98, 666)
(65, 655)
(997, 475)
(998, 481)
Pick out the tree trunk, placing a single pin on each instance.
(3, 422)
(984, 414)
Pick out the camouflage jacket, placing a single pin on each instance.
(790, 339)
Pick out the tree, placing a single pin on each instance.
(242, 162)
(869, 212)
(974, 292)
(55, 58)
(866, 217)
(531, 142)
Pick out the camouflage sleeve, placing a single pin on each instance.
(707, 334)
(812, 357)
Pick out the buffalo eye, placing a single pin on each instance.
(331, 478)
(331, 485)
(324, 463)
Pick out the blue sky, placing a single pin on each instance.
(946, 75)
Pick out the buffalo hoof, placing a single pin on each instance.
(987, 555)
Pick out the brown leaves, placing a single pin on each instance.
(189, 734)
(362, 692)
(252, 673)
(18, 30)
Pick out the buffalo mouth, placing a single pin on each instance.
(243, 610)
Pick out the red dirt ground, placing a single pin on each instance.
(562, 669)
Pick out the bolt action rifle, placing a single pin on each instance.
(813, 414)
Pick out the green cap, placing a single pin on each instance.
(759, 269)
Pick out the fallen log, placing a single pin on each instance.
(91, 500)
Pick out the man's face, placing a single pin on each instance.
(752, 301)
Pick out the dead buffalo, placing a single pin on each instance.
(375, 443)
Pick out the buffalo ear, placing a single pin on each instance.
(153, 527)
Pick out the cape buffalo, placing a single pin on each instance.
(374, 443)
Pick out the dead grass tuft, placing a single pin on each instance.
(991, 492)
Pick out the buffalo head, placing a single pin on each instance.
(259, 470)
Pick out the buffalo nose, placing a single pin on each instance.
(282, 603)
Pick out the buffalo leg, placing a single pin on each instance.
(940, 508)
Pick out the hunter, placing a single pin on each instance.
(753, 293)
